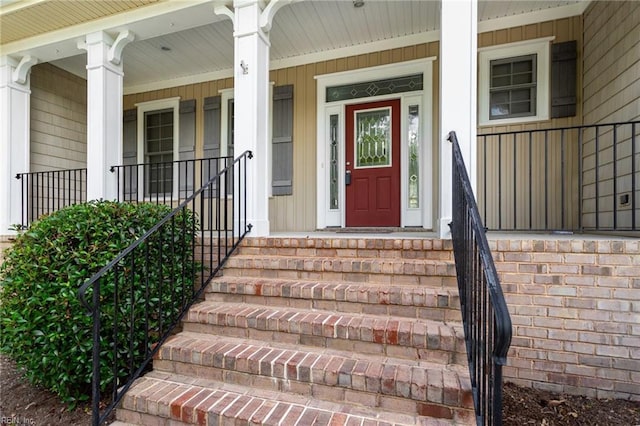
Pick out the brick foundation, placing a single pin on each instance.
(575, 308)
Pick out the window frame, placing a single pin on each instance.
(157, 106)
(540, 47)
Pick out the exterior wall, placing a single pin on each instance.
(575, 313)
(297, 212)
(516, 186)
(611, 90)
(58, 119)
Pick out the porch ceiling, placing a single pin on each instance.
(200, 43)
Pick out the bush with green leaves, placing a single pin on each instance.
(46, 329)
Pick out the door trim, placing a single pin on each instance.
(336, 217)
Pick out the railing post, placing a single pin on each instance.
(95, 358)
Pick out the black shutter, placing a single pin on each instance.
(282, 149)
(186, 146)
(129, 175)
(563, 79)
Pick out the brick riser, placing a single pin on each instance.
(304, 331)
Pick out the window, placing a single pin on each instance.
(158, 137)
(513, 82)
(158, 125)
(512, 91)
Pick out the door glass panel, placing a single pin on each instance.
(414, 157)
(373, 138)
(333, 167)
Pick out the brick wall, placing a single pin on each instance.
(575, 308)
(5, 243)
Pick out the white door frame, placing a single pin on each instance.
(422, 216)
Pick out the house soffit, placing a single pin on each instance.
(24, 19)
(200, 46)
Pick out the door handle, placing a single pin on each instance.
(347, 177)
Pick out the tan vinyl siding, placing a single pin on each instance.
(58, 119)
(506, 193)
(611, 89)
(297, 212)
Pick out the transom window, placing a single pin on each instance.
(513, 87)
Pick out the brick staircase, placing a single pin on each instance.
(314, 331)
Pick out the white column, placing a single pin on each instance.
(458, 87)
(252, 105)
(15, 104)
(104, 112)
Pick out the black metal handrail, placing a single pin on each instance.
(165, 182)
(49, 191)
(574, 178)
(485, 317)
(152, 286)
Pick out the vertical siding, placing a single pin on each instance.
(611, 89)
(298, 211)
(58, 119)
(509, 171)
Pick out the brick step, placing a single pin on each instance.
(432, 273)
(337, 376)
(367, 298)
(406, 338)
(171, 399)
(435, 249)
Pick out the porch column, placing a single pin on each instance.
(104, 111)
(252, 106)
(458, 87)
(15, 104)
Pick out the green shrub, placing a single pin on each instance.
(45, 328)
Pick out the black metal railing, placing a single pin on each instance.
(165, 182)
(137, 300)
(486, 320)
(578, 178)
(49, 191)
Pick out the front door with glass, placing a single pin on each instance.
(373, 164)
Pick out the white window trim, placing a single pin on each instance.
(540, 47)
(144, 107)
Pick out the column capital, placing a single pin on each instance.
(16, 71)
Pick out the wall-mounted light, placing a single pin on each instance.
(245, 67)
(358, 3)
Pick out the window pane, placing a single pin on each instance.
(414, 157)
(512, 88)
(159, 151)
(333, 167)
(373, 138)
(501, 81)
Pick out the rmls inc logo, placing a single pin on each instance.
(16, 420)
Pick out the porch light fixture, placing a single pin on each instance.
(358, 3)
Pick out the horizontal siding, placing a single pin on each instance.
(611, 90)
(58, 119)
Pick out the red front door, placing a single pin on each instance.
(373, 164)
